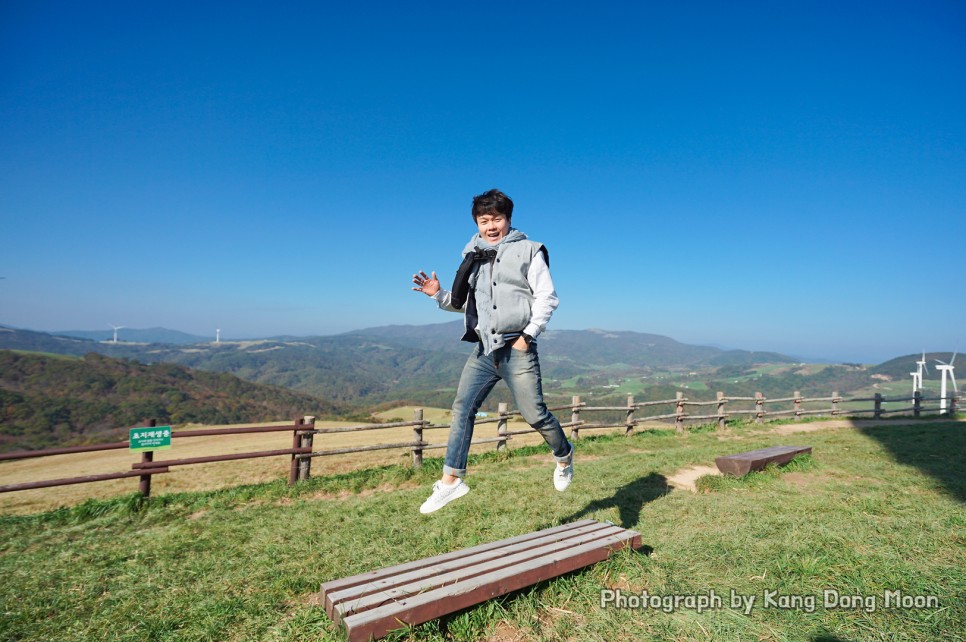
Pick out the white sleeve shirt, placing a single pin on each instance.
(545, 299)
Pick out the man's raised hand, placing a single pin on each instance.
(426, 284)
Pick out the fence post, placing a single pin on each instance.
(759, 407)
(877, 413)
(721, 414)
(144, 487)
(417, 437)
(501, 426)
(679, 412)
(293, 471)
(630, 416)
(916, 403)
(575, 417)
(798, 405)
(305, 441)
(952, 405)
(835, 403)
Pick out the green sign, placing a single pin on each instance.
(150, 438)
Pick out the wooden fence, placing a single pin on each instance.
(147, 467)
(632, 414)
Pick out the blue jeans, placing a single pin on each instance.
(521, 372)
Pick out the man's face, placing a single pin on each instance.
(493, 227)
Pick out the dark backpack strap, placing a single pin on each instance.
(461, 284)
(470, 319)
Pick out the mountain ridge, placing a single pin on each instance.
(389, 363)
(136, 335)
(385, 366)
(422, 363)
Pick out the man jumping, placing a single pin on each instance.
(505, 292)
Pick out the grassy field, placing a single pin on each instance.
(900, 392)
(877, 514)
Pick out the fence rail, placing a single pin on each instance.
(303, 430)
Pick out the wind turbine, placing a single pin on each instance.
(917, 375)
(944, 368)
(218, 335)
(116, 328)
(921, 367)
(916, 385)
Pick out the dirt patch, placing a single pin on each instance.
(788, 429)
(313, 599)
(791, 429)
(620, 584)
(197, 515)
(684, 479)
(804, 480)
(506, 632)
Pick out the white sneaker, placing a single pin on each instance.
(442, 495)
(563, 476)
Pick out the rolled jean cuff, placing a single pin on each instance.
(458, 472)
(566, 459)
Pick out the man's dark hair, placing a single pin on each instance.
(492, 202)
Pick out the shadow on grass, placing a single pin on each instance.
(495, 609)
(629, 499)
(935, 448)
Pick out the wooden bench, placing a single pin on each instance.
(743, 463)
(372, 604)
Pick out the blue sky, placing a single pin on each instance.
(783, 176)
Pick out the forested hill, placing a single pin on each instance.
(48, 400)
(901, 367)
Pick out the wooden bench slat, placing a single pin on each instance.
(363, 578)
(404, 573)
(469, 557)
(423, 607)
(377, 594)
(743, 463)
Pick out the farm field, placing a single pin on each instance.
(877, 511)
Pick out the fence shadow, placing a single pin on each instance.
(935, 448)
(629, 499)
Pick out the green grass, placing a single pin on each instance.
(896, 390)
(694, 385)
(714, 483)
(875, 510)
(634, 385)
